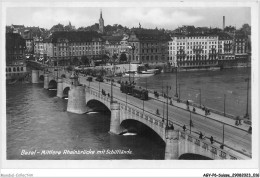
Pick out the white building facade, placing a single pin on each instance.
(190, 51)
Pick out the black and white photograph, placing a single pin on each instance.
(130, 84)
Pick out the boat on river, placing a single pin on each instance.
(143, 73)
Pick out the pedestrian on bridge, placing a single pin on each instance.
(201, 135)
(191, 123)
(184, 128)
(250, 129)
(211, 140)
(171, 127)
(157, 112)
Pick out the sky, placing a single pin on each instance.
(149, 17)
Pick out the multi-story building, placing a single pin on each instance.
(17, 29)
(65, 46)
(15, 55)
(225, 49)
(150, 46)
(15, 48)
(116, 45)
(241, 47)
(40, 49)
(30, 34)
(193, 50)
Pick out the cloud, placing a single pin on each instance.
(52, 16)
(153, 17)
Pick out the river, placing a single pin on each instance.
(213, 86)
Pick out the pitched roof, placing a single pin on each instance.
(224, 36)
(113, 39)
(150, 34)
(76, 36)
(18, 26)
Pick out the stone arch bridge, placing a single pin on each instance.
(177, 141)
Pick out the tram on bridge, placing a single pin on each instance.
(136, 92)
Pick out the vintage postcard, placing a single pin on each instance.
(140, 85)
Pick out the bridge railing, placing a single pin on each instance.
(208, 147)
(158, 120)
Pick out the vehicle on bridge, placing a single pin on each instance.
(99, 78)
(89, 79)
(126, 88)
(140, 93)
(136, 92)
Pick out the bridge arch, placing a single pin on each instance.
(97, 105)
(141, 128)
(52, 84)
(193, 156)
(41, 77)
(66, 91)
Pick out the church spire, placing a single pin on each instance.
(101, 23)
(101, 14)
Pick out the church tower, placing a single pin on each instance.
(101, 23)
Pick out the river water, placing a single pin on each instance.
(213, 86)
(37, 121)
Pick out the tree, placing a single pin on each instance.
(58, 27)
(246, 29)
(85, 60)
(114, 57)
(230, 29)
(69, 68)
(104, 58)
(75, 61)
(123, 57)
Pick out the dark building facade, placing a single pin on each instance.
(150, 46)
(64, 47)
(15, 48)
(15, 56)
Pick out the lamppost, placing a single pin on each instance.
(146, 90)
(190, 122)
(167, 87)
(200, 97)
(179, 91)
(224, 104)
(176, 94)
(222, 146)
(133, 49)
(113, 71)
(247, 115)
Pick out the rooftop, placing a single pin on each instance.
(76, 36)
(150, 34)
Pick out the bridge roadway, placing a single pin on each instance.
(234, 138)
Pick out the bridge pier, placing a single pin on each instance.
(46, 81)
(60, 88)
(76, 100)
(35, 76)
(115, 127)
(171, 144)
